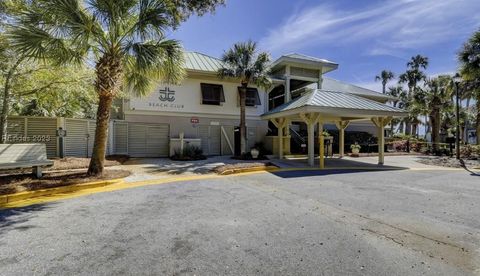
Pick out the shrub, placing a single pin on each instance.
(400, 145)
(189, 153)
(415, 146)
(263, 151)
(470, 151)
(355, 146)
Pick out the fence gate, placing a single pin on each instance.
(148, 140)
(120, 137)
(211, 139)
(80, 137)
(228, 140)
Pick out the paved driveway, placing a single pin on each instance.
(288, 223)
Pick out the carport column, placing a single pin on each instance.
(310, 120)
(280, 123)
(380, 123)
(311, 144)
(342, 125)
(322, 145)
(381, 144)
(280, 143)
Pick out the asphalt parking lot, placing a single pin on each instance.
(285, 223)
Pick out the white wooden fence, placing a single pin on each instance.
(77, 143)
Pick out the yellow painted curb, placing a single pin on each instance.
(251, 169)
(6, 199)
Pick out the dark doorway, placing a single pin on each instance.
(236, 139)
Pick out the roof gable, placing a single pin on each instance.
(335, 100)
(202, 63)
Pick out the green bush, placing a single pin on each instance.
(470, 151)
(189, 153)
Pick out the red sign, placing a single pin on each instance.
(194, 120)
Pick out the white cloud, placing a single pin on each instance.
(389, 28)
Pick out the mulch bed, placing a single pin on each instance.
(70, 163)
(450, 162)
(223, 168)
(10, 184)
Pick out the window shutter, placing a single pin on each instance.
(212, 94)
(253, 98)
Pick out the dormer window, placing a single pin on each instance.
(252, 99)
(212, 94)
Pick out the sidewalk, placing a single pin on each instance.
(163, 168)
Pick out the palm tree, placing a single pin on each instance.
(243, 62)
(412, 77)
(400, 94)
(469, 58)
(385, 76)
(434, 100)
(125, 39)
(418, 62)
(414, 74)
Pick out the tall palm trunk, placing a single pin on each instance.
(435, 121)
(107, 84)
(243, 128)
(6, 101)
(478, 120)
(465, 124)
(408, 123)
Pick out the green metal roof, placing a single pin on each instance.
(204, 63)
(200, 62)
(336, 85)
(305, 57)
(335, 100)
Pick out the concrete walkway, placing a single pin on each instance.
(163, 168)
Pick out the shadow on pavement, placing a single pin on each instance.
(307, 173)
(473, 173)
(15, 218)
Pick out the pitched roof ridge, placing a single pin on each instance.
(353, 85)
(206, 55)
(312, 96)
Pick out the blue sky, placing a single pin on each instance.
(364, 36)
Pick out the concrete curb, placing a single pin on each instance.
(4, 199)
(245, 170)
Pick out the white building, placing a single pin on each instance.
(207, 107)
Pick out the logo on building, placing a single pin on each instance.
(167, 95)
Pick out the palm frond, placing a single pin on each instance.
(152, 18)
(150, 61)
(64, 34)
(242, 62)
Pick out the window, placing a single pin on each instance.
(212, 94)
(252, 99)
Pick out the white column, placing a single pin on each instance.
(311, 143)
(341, 149)
(381, 143)
(280, 142)
(341, 126)
(320, 80)
(287, 89)
(287, 84)
(322, 145)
